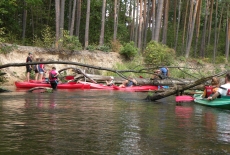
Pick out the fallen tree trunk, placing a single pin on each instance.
(178, 89)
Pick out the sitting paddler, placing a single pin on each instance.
(211, 89)
(224, 90)
(110, 82)
(161, 73)
(129, 83)
(53, 77)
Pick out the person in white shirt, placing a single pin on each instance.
(224, 90)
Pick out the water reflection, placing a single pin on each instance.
(108, 122)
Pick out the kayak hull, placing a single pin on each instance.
(133, 88)
(223, 102)
(59, 86)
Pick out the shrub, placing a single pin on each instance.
(115, 46)
(91, 48)
(129, 50)
(47, 37)
(104, 48)
(1, 34)
(158, 54)
(7, 48)
(70, 42)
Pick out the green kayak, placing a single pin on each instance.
(223, 102)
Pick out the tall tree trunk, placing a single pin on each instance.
(178, 24)
(73, 18)
(192, 29)
(78, 18)
(227, 34)
(220, 22)
(57, 12)
(24, 21)
(32, 22)
(87, 25)
(146, 25)
(62, 16)
(215, 39)
(62, 11)
(174, 18)
(115, 21)
(48, 19)
(140, 28)
(189, 23)
(184, 27)
(153, 18)
(210, 23)
(101, 42)
(158, 20)
(197, 27)
(203, 40)
(165, 27)
(144, 32)
(69, 14)
(132, 36)
(137, 24)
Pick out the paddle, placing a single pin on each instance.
(184, 98)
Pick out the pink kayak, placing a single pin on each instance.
(72, 85)
(133, 88)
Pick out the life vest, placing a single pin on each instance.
(209, 91)
(129, 84)
(51, 75)
(228, 92)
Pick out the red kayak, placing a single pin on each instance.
(72, 85)
(133, 88)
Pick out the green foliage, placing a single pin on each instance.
(7, 49)
(3, 79)
(37, 41)
(1, 35)
(104, 48)
(70, 42)
(47, 37)
(135, 65)
(158, 54)
(129, 50)
(220, 60)
(91, 48)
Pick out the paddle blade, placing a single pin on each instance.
(184, 98)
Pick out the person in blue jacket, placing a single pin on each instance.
(163, 72)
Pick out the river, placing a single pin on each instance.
(70, 122)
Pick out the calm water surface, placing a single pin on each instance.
(108, 122)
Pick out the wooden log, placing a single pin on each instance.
(178, 89)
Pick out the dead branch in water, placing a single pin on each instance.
(182, 88)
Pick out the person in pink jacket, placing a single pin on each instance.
(53, 77)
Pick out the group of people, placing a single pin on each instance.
(40, 71)
(215, 90)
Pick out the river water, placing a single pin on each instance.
(70, 122)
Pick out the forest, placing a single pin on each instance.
(193, 28)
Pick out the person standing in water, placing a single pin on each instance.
(53, 78)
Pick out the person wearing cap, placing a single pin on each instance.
(53, 78)
(28, 67)
(110, 82)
